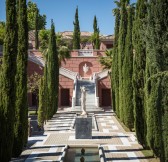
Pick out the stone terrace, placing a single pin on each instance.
(116, 144)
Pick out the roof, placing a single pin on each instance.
(69, 35)
(107, 37)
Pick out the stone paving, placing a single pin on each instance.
(117, 145)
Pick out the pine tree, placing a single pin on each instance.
(76, 33)
(36, 30)
(156, 78)
(21, 111)
(7, 98)
(96, 40)
(115, 85)
(121, 53)
(128, 72)
(139, 63)
(53, 72)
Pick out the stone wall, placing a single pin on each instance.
(103, 84)
(66, 83)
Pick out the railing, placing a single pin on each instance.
(68, 73)
(36, 59)
(102, 74)
(85, 52)
(74, 93)
(96, 77)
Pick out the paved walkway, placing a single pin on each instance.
(115, 144)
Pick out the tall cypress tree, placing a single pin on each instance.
(36, 29)
(52, 70)
(121, 53)
(139, 64)
(156, 78)
(7, 98)
(41, 109)
(128, 72)
(45, 87)
(21, 111)
(96, 40)
(76, 33)
(115, 82)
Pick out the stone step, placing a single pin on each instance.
(90, 94)
(89, 108)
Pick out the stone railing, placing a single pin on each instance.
(102, 74)
(85, 52)
(68, 73)
(36, 59)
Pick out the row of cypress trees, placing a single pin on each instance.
(140, 72)
(13, 85)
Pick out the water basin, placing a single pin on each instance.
(74, 154)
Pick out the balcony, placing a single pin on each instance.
(87, 53)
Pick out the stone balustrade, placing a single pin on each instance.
(68, 73)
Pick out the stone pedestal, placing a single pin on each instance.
(83, 128)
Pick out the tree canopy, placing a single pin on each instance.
(2, 32)
(76, 33)
(32, 9)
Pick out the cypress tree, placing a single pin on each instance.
(53, 72)
(115, 83)
(96, 40)
(121, 53)
(157, 115)
(21, 111)
(156, 78)
(139, 64)
(128, 72)
(36, 29)
(41, 109)
(7, 104)
(45, 84)
(76, 33)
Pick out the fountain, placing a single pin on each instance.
(82, 154)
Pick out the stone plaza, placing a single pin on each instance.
(113, 142)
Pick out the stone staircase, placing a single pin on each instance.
(90, 93)
(90, 96)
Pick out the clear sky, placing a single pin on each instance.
(63, 13)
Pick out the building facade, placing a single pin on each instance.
(82, 69)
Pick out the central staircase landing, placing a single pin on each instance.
(89, 108)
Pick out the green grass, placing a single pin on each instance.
(122, 124)
(32, 112)
(149, 154)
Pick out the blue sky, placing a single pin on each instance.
(63, 12)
